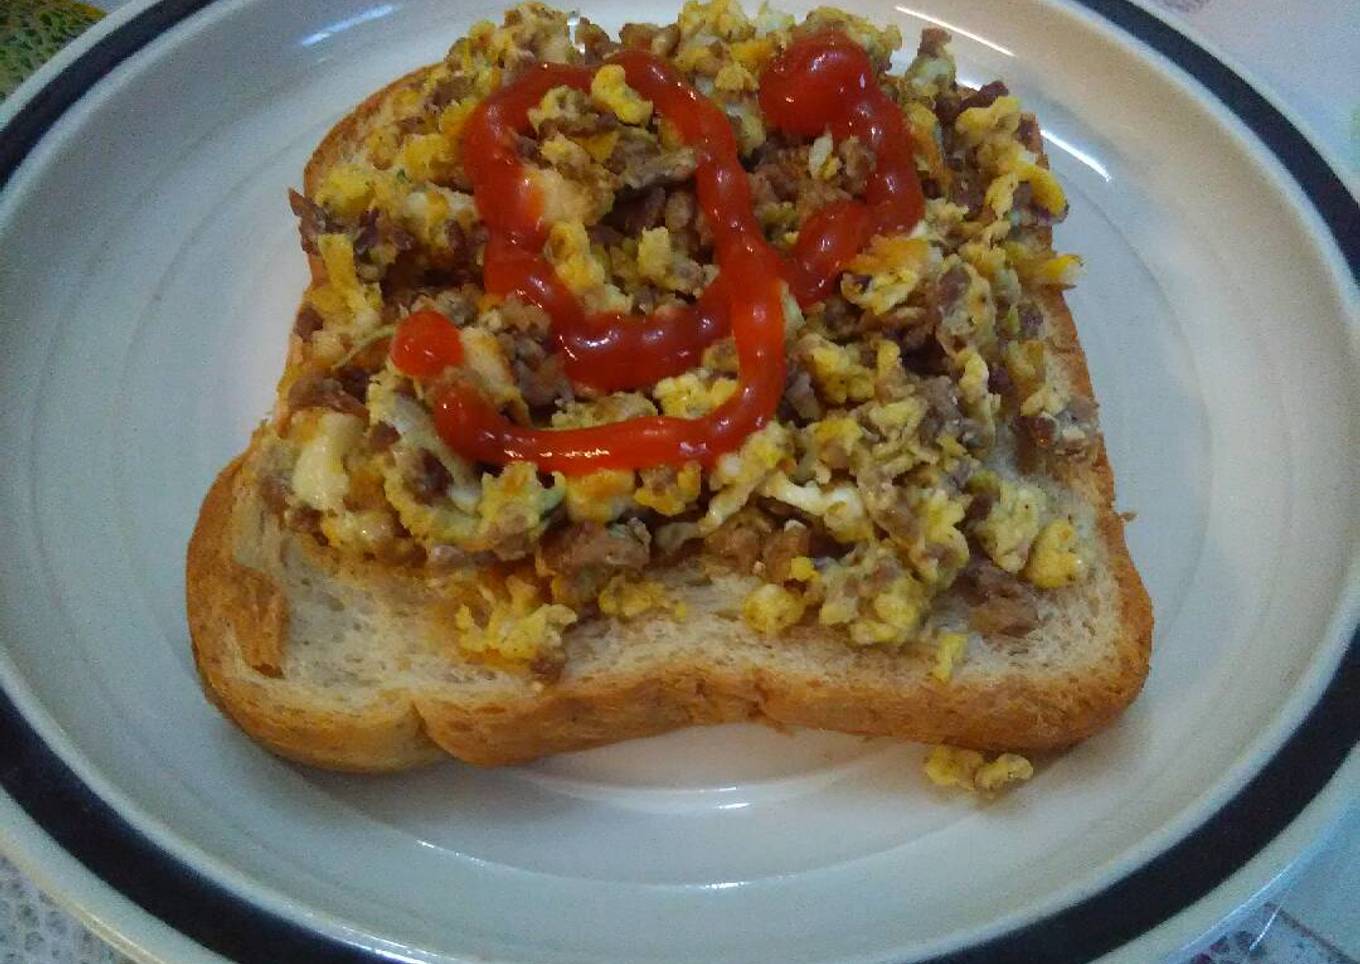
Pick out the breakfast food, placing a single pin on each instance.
(712, 373)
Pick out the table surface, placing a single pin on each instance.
(1307, 55)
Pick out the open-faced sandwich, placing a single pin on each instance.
(716, 372)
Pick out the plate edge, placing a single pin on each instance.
(1334, 720)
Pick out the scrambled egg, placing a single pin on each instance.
(839, 376)
(319, 476)
(949, 649)
(1055, 560)
(823, 164)
(627, 597)
(737, 474)
(884, 276)
(901, 385)
(485, 360)
(667, 491)
(557, 104)
(948, 766)
(941, 545)
(518, 628)
(661, 264)
(600, 496)
(997, 122)
(839, 507)
(1010, 527)
(363, 301)
(570, 253)
(871, 596)
(611, 90)
(771, 609)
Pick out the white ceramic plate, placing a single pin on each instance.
(150, 269)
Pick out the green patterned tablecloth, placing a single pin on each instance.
(31, 31)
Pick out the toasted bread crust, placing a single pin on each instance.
(230, 608)
(400, 729)
(238, 620)
(343, 136)
(1134, 644)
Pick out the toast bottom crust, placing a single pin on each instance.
(237, 612)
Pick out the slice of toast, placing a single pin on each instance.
(343, 661)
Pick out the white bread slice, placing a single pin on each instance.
(353, 666)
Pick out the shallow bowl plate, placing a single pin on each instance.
(150, 272)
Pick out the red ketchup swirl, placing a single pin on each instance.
(426, 344)
(821, 82)
(826, 82)
(608, 352)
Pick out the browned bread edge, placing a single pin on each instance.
(229, 603)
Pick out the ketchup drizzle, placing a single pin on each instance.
(826, 81)
(425, 344)
(607, 352)
(822, 81)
